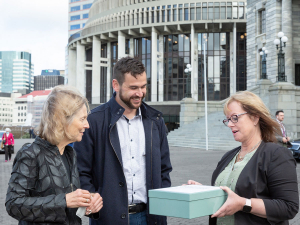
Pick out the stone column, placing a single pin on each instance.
(80, 71)
(109, 75)
(96, 70)
(153, 65)
(234, 58)
(72, 68)
(194, 63)
(161, 69)
(121, 45)
(283, 96)
(287, 24)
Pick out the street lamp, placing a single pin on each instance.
(264, 54)
(188, 71)
(281, 65)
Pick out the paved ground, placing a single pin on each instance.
(188, 163)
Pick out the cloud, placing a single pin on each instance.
(36, 25)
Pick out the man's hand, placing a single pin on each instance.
(284, 140)
(288, 138)
(96, 204)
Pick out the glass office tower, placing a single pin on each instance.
(16, 71)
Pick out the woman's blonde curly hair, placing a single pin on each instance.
(58, 113)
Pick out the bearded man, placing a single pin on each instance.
(125, 152)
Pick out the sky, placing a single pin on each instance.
(38, 26)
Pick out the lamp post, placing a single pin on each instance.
(281, 64)
(264, 54)
(188, 71)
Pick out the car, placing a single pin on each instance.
(295, 149)
(2, 149)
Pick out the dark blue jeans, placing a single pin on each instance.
(138, 218)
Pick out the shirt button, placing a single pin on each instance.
(123, 216)
(121, 184)
(133, 192)
(131, 140)
(133, 157)
(133, 174)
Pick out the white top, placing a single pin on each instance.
(132, 142)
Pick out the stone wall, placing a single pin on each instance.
(256, 40)
(296, 30)
(276, 96)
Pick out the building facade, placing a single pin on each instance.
(46, 82)
(16, 71)
(78, 14)
(50, 72)
(265, 20)
(166, 36)
(7, 105)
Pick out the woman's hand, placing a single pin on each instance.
(192, 182)
(96, 204)
(78, 198)
(233, 204)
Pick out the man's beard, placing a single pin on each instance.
(127, 101)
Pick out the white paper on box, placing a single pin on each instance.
(190, 189)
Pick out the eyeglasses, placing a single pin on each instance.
(234, 119)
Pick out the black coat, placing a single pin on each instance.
(269, 175)
(100, 161)
(38, 185)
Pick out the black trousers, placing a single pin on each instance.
(7, 149)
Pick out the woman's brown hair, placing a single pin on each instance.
(254, 106)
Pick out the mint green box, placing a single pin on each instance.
(188, 201)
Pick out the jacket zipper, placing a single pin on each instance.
(122, 169)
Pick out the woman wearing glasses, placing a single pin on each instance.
(259, 176)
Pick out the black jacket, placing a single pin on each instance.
(38, 185)
(269, 175)
(100, 161)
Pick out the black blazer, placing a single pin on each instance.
(269, 175)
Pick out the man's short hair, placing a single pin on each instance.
(279, 111)
(127, 65)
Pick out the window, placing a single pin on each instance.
(75, 8)
(262, 21)
(179, 14)
(174, 14)
(75, 17)
(84, 16)
(75, 0)
(192, 12)
(169, 15)
(83, 25)
(223, 12)
(87, 6)
(186, 14)
(229, 12)
(75, 27)
(163, 14)
(198, 13)
(204, 13)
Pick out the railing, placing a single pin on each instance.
(150, 20)
(171, 118)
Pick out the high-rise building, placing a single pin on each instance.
(16, 71)
(50, 72)
(45, 82)
(78, 14)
